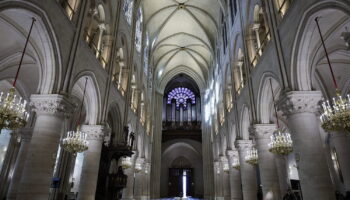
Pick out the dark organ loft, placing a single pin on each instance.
(181, 109)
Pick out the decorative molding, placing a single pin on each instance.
(263, 131)
(95, 132)
(52, 104)
(244, 144)
(299, 101)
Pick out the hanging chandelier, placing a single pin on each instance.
(126, 162)
(225, 167)
(235, 163)
(13, 114)
(281, 142)
(252, 156)
(335, 115)
(76, 141)
(138, 167)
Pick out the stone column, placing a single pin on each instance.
(39, 166)
(218, 180)
(235, 176)
(300, 108)
(341, 142)
(156, 147)
(248, 172)
(26, 135)
(139, 179)
(91, 162)
(267, 165)
(130, 172)
(225, 179)
(283, 175)
(146, 181)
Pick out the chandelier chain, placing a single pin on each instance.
(24, 50)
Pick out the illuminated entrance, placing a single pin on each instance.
(180, 182)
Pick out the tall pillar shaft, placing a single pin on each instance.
(91, 163)
(235, 176)
(156, 148)
(267, 164)
(26, 135)
(40, 162)
(248, 172)
(341, 142)
(301, 107)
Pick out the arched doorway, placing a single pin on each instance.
(182, 162)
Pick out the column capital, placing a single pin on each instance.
(299, 101)
(95, 132)
(51, 104)
(244, 144)
(263, 131)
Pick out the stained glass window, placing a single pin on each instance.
(181, 96)
(138, 31)
(127, 8)
(145, 56)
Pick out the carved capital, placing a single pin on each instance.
(244, 145)
(51, 104)
(299, 101)
(264, 131)
(95, 132)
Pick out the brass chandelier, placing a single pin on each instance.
(76, 141)
(252, 156)
(13, 114)
(335, 115)
(235, 163)
(281, 142)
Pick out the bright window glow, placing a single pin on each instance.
(145, 56)
(184, 184)
(181, 96)
(127, 8)
(138, 34)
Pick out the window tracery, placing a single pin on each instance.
(145, 56)
(138, 31)
(128, 6)
(181, 96)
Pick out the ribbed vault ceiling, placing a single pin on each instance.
(182, 35)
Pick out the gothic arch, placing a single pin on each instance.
(92, 97)
(264, 98)
(42, 51)
(245, 123)
(303, 59)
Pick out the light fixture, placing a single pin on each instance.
(225, 167)
(252, 156)
(281, 142)
(75, 141)
(138, 167)
(336, 115)
(13, 114)
(126, 162)
(147, 168)
(235, 163)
